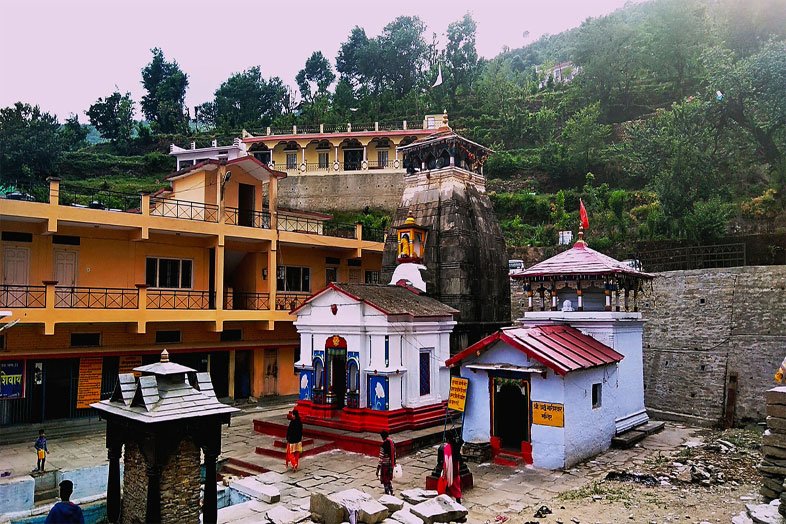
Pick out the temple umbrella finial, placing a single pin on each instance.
(164, 356)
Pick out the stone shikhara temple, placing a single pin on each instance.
(161, 422)
(556, 388)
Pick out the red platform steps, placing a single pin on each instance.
(241, 468)
(364, 419)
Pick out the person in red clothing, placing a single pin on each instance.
(65, 511)
(451, 478)
(387, 461)
(294, 440)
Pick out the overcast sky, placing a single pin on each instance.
(63, 55)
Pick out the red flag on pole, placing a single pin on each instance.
(583, 215)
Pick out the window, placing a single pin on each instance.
(13, 236)
(167, 337)
(425, 372)
(382, 158)
(65, 240)
(323, 160)
(372, 277)
(82, 340)
(297, 353)
(596, 395)
(354, 276)
(431, 123)
(292, 278)
(291, 160)
(231, 335)
(331, 275)
(168, 273)
(387, 350)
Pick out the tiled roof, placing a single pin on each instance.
(390, 300)
(559, 347)
(579, 260)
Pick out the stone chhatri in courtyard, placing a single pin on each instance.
(163, 419)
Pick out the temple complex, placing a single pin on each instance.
(569, 377)
(445, 193)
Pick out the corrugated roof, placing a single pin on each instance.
(579, 260)
(559, 347)
(390, 300)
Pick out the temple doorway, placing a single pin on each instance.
(511, 412)
(336, 351)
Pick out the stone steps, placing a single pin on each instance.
(630, 438)
(241, 468)
(277, 448)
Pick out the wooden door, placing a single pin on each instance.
(16, 266)
(271, 371)
(65, 267)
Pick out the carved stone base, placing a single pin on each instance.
(476, 452)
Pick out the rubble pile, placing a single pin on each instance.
(773, 463)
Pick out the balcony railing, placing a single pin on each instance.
(289, 301)
(96, 298)
(374, 234)
(22, 296)
(247, 301)
(340, 230)
(298, 224)
(167, 207)
(180, 299)
(247, 217)
(336, 128)
(98, 198)
(25, 192)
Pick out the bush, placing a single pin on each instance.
(706, 221)
(502, 165)
(530, 208)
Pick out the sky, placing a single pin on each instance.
(63, 55)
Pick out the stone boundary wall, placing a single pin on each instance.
(702, 326)
(342, 192)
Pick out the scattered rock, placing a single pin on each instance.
(440, 509)
(252, 487)
(764, 513)
(542, 512)
(324, 509)
(406, 517)
(417, 495)
(392, 503)
(283, 515)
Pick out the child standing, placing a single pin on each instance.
(387, 461)
(41, 450)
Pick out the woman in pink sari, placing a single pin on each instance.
(451, 478)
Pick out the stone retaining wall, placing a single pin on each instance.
(342, 192)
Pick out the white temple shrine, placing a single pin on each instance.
(373, 356)
(558, 387)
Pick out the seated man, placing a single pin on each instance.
(65, 511)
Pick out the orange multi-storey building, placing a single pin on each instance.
(99, 282)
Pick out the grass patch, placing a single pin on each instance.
(607, 490)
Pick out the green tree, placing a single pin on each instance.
(164, 103)
(315, 78)
(245, 100)
(461, 55)
(403, 51)
(113, 117)
(74, 134)
(30, 144)
(585, 136)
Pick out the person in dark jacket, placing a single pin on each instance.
(65, 511)
(41, 450)
(387, 461)
(294, 440)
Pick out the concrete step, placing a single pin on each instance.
(272, 447)
(282, 444)
(240, 468)
(503, 458)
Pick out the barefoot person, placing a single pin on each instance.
(387, 461)
(451, 478)
(294, 440)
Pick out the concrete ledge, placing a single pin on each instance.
(17, 494)
(672, 416)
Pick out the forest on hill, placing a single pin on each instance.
(668, 118)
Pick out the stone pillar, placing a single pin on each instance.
(579, 297)
(210, 504)
(113, 485)
(153, 507)
(774, 447)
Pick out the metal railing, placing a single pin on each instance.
(247, 217)
(289, 301)
(247, 301)
(693, 257)
(22, 296)
(374, 234)
(376, 164)
(96, 298)
(339, 229)
(298, 224)
(179, 299)
(25, 192)
(167, 207)
(98, 198)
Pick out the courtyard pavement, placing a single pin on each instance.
(500, 492)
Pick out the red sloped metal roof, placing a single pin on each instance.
(559, 347)
(579, 260)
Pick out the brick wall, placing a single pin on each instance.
(357, 189)
(180, 485)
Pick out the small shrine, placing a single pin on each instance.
(373, 356)
(163, 421)
(556, 388)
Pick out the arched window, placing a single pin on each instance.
(319, 372)
(444, 159)
(354, 376)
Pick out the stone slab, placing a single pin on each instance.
(776, 395)
(326, 510)
(392, 503)
(777, 425)
(417, 495)
(257, 490)
(776, 410)
(764, 513)
(440, 509)
(777, 440)
(405, 516)
(773, 451)
(284, 515)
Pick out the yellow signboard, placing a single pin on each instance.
(89, 389)
(458, 393)
(548, 414)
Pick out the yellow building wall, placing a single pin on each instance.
(193, 188)
(312, 154)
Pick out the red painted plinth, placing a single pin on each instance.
(467, 481)
(364, 419)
